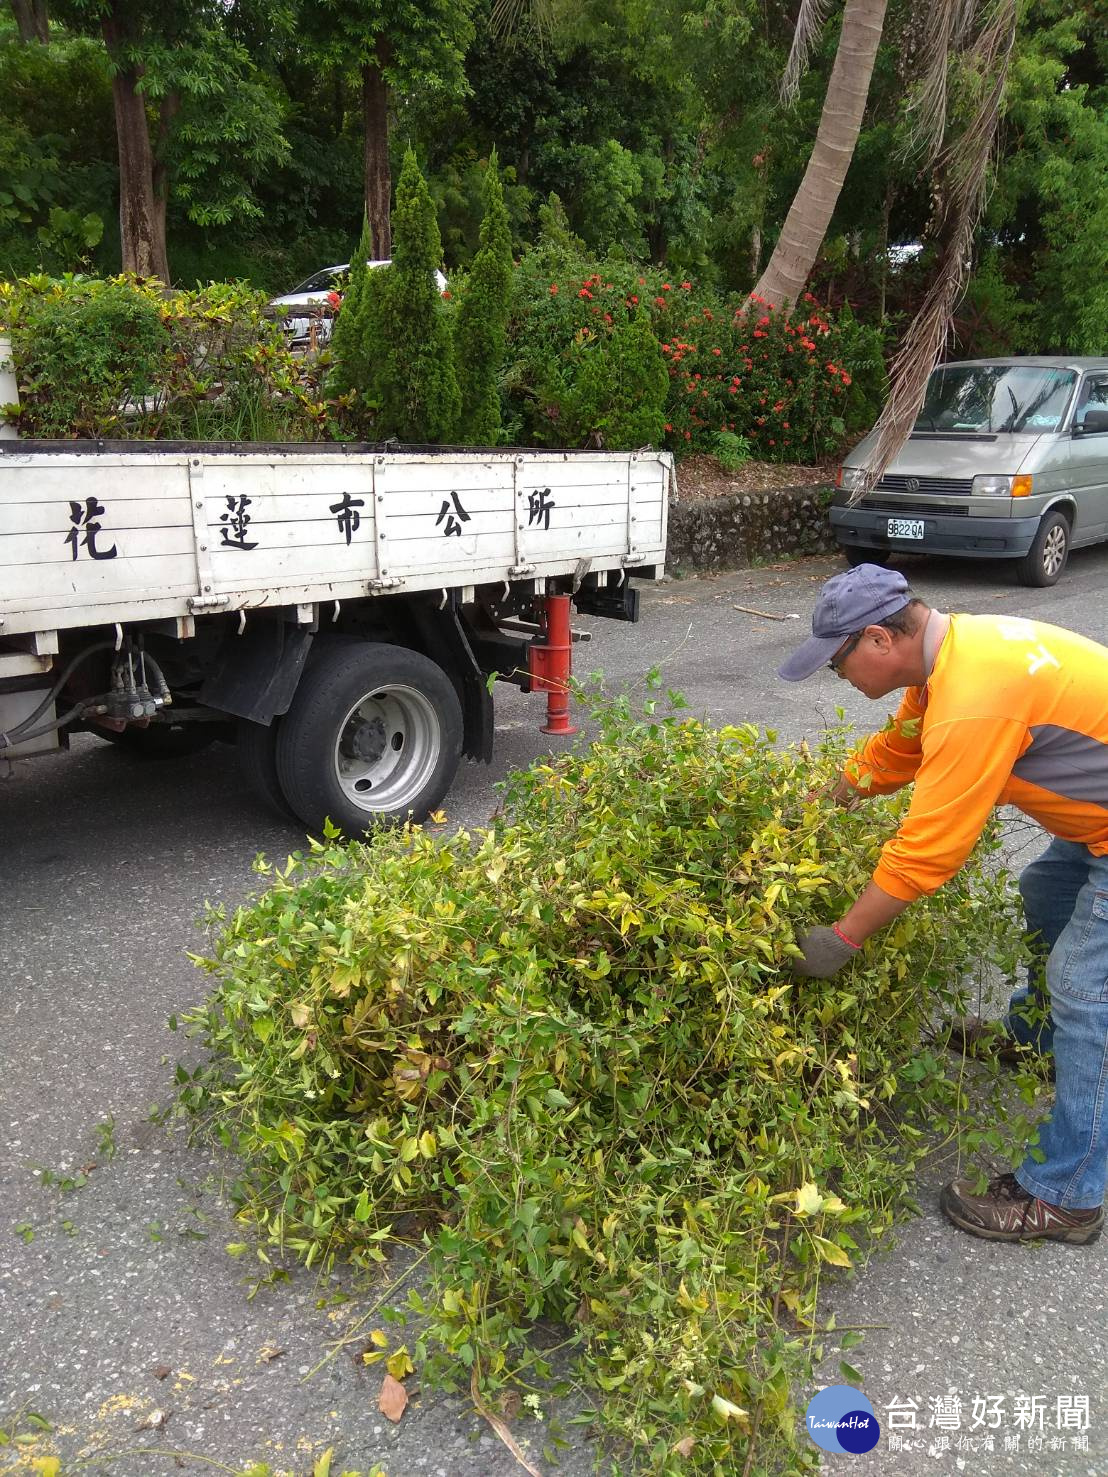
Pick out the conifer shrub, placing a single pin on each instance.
(351, 371)
(567, 1056)
(406, 345)
(482, 318)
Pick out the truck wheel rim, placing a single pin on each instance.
(387, 748)
(1054, 550)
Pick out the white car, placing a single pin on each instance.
(314, 291)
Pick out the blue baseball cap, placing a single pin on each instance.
(848, 603)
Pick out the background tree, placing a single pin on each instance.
(189, 108)
(393, 44)
(481, 329)
(32, 19)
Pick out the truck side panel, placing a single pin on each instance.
(98, 536)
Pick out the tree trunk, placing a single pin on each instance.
(378, 178)
(32, 20)
(840, 122)
(141, 224)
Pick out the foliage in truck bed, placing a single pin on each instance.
(568, 1056)
(123, 358)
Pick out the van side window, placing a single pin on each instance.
(1092, 405)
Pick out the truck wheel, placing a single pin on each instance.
(855, 555)
(374, 735)
(160, 741)
(1046, 558)
(256, 747)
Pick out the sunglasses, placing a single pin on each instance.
(836, 663)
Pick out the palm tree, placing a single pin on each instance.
(840, 123)
(969, 39)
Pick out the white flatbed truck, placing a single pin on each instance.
(335, 610)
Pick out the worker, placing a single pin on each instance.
(997, 710)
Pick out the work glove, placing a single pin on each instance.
(825, 951)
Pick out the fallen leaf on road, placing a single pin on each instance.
(161, 1371)
(268, 1352)
(152, 1422)
(393, 1399)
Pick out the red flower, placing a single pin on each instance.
(845, 378)
(666, 287)
(687, 286)
(660, 301)
(758, 333)
(585, 293)
(732, 389)
(717, 352)
(553, 289)
(633, 298)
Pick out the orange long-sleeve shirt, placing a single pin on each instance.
(1014, 712)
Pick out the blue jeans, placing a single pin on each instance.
(1065, 899)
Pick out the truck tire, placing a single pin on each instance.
(256, 748)
(856, 555)
(160, 741)
(1046, 558)
(373, 736)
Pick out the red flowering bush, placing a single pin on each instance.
(795, 386)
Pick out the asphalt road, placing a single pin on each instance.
(117, 1299)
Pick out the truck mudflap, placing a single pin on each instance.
(256, 672)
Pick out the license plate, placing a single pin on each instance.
(905, 527)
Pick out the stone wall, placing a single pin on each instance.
(745, 527)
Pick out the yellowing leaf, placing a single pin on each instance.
(428, 1144)
(399, 1364)
(829, 1252)
(379, 1339)
(808, 1199)
(727, 1410)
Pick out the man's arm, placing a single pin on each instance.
(875, 909)
(826, 950)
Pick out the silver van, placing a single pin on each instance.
(1007, 460)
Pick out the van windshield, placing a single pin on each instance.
(996, 397)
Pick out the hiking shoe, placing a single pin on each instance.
(982, 1040)
(1006, 1212)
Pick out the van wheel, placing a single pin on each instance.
(373, 735)
(855, 555)
(1046, 558)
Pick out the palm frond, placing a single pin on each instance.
(510, 19)
(962, 171)
(809, 24)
